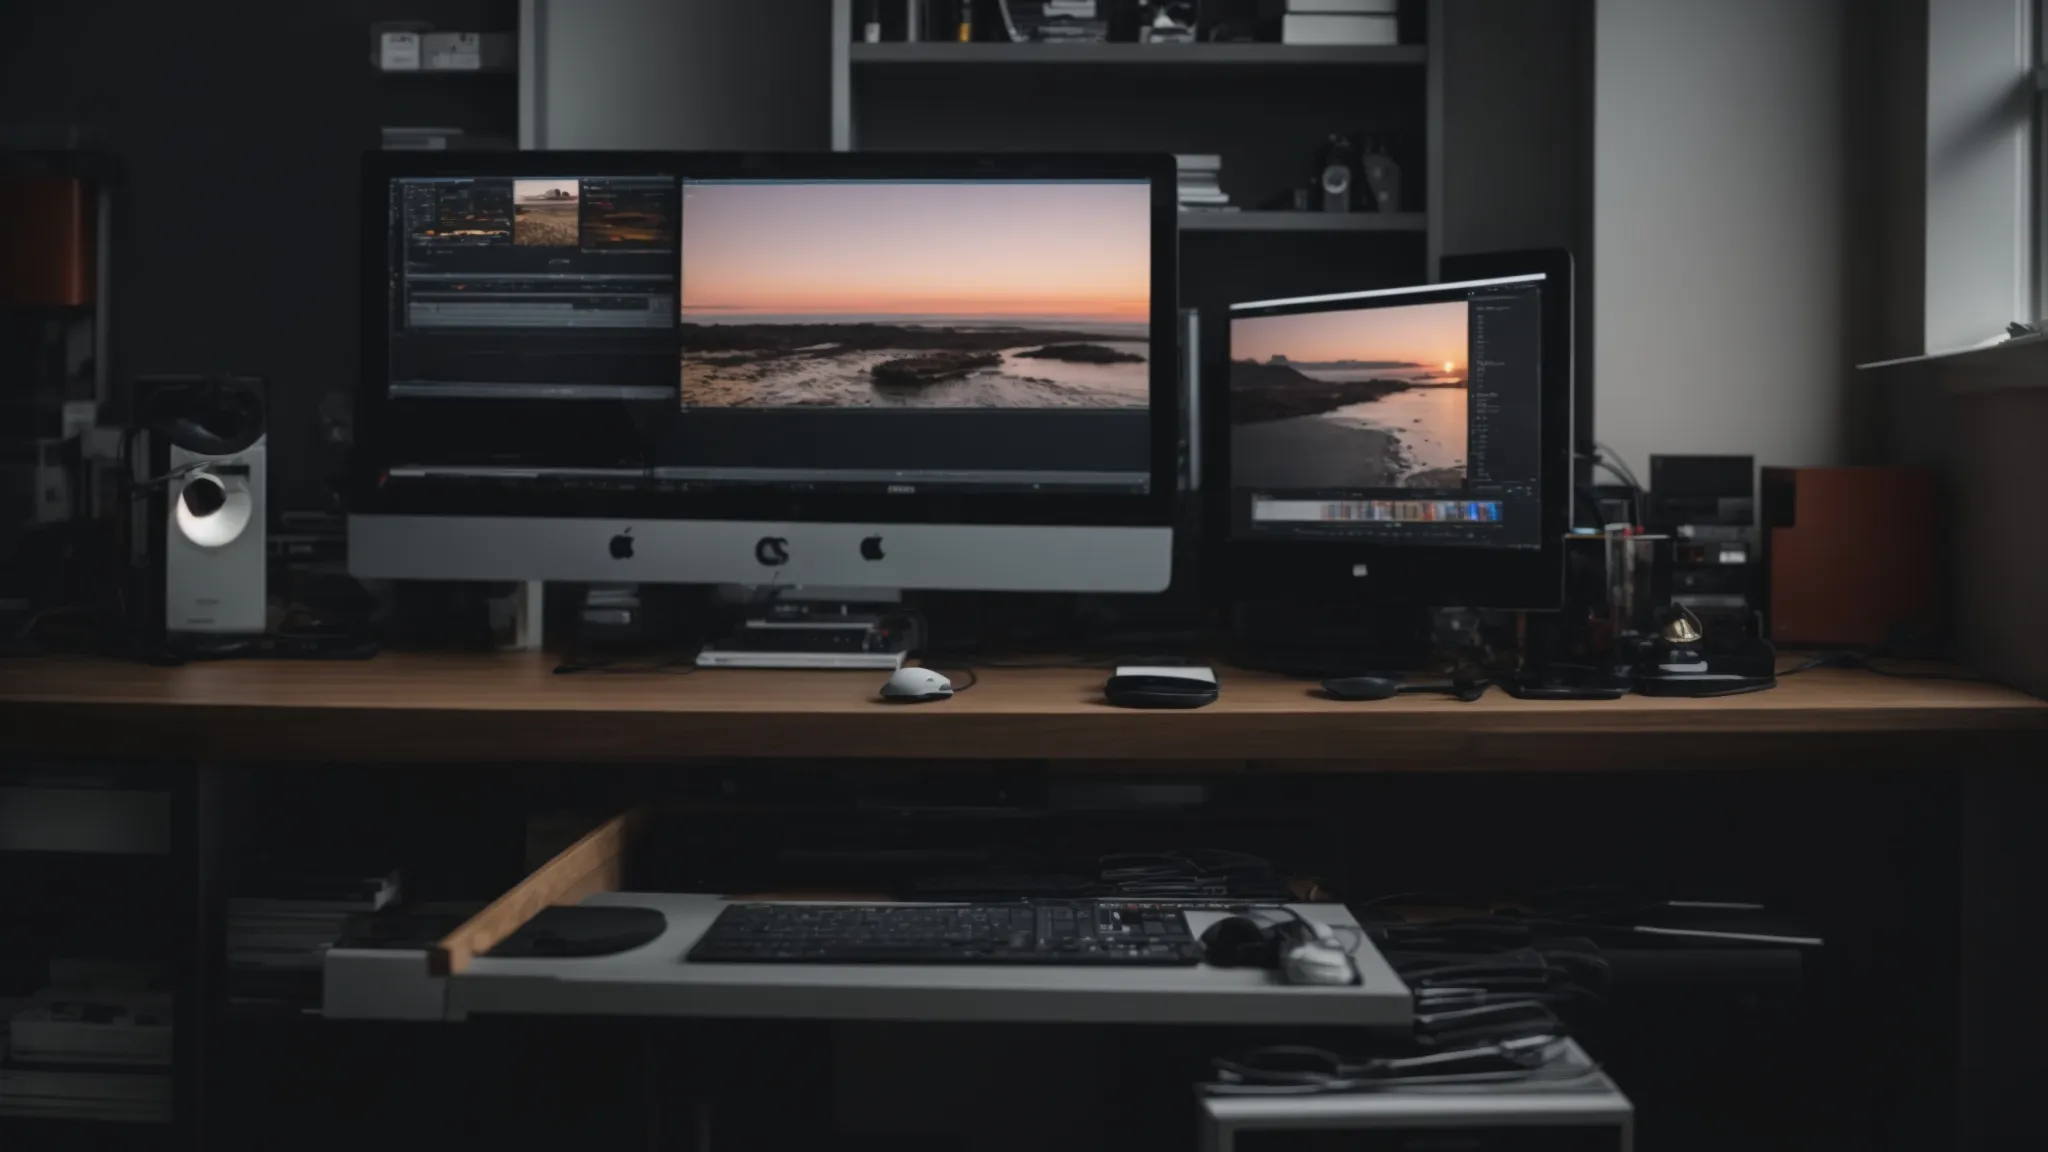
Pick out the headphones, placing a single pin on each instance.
(204, 415)
(1304, 951)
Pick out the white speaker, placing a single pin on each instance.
(216, 556)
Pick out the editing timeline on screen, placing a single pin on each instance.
(845, 335)
(1397, 416)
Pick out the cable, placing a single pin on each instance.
(1745, 690)
(952, 673)
(1077, 664)
(1292, 1070)
(1620, 466)
(1351, 948)
(569, 667)
(671, 665)
(135, 489)
(1618, 474)
(1863, 662)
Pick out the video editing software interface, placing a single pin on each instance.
(668, 333)
(1399, 416)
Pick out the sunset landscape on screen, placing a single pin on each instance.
(876, 293)
(1425, 336)
(1358, 399)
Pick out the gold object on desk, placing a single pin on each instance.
(1683, 628)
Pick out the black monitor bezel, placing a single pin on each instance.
(1401, 575)
(1153, 507)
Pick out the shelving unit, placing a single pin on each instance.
(87, 872)
(444, 73)
(483, 102)
(1303, 222)
(1122, 55)
(1265, 108)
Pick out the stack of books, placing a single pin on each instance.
(1341, 22)
(1069, 22)
(401, 139)
(1200, 182)
(278, 934)
(95, 1044)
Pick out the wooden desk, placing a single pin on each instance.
(1917, 856)
(450, 708)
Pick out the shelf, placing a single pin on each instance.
(1303, 221)
(120, 821)
(503, 70)
(926, 52)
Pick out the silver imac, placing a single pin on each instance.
(857, 371)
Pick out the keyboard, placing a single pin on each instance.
(1076, 932)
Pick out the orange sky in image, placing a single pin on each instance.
(1069, 251)
(535, 189)
(1429, 334)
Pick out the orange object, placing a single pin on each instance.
(1850, 556)
(47, 241)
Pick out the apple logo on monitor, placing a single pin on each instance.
(871, 548)
(622, 545)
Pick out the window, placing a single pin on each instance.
(2039, 36)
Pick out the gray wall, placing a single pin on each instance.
(1719, 142)
(702, 74)
(1511, 165)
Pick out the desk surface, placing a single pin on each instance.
(655, 980)
(443, 708)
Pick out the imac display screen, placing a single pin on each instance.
(649, 335)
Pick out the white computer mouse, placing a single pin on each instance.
(910, 685)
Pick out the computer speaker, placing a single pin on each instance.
(209, 448)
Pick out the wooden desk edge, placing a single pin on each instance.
(594, 863)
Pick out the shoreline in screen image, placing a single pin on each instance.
(545, 213)
(1356, 399)
(932, 294)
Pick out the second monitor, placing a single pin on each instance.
(1401, 446)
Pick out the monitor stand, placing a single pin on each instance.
(846, 630)
(1318, 641)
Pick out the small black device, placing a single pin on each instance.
(1550, 684)
(1381, 177)
(1161, 688)
(1336, 184)
(1078, 932)
(1362, 687)
(1678, 663)
(1708, 505)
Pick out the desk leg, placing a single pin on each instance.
(2004, 939)
(196, 855)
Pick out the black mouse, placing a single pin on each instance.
(1362, 687)
(1241, 942)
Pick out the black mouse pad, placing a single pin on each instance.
(581, 932)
